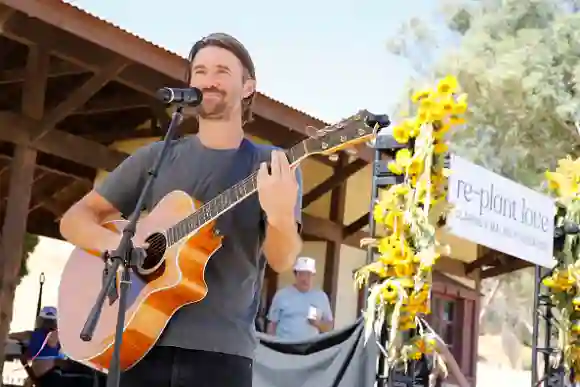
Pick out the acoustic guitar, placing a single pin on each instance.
(179, 232)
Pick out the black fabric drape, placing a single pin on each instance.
(334, 359)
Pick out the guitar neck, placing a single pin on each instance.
(227, 200)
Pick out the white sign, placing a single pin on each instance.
(498, 213)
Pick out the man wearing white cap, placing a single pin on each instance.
(299, 312)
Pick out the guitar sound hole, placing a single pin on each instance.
(155, 252)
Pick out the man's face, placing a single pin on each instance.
(304, 280)
(220, 76)
(49, 324)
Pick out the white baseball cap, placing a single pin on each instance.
(305, 264)
(48, 313)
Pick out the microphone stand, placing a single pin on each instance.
(126, 257)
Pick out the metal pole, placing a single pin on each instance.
(536, 325)
(41, 280)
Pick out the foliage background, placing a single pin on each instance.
(519, 62)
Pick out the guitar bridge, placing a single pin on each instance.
(112, 294)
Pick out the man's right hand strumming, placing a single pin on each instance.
(82, 226)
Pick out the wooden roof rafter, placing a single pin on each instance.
(493, 263)
(66, 43)
(18, 130)
(144, 56)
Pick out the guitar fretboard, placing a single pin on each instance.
(211, 210)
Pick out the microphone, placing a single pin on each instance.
(191, 96)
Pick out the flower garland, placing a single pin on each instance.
(405, 213)
(564, 279)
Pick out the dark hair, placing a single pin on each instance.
(234, 46)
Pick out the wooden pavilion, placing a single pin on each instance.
(72, 86)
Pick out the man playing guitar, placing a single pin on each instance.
(210, 343)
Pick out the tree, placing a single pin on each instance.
(519, 62)
(7, 298)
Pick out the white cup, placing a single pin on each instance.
(312, 313)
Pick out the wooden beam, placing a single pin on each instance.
(55, 207)
(513, 265)
(13, 231)
(309, 238)
(321, 228)
(16, 129)
(336, 179)
(161, 115)
(41, 223)
(452, 266)
(489, 259)
(5, 14)
(4, 169)
(112, 135)
(145, 80)
(22, 169)
(49, 169)
(56, 70)
(43, 189)
(36, 78)
(113, 104)
(354, 239)
(357, 225)
(56, 201)
(79, 97)
(332, 257)
(90, 29)
(39, 175)
(271, 287)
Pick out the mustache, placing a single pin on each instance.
(213, 90)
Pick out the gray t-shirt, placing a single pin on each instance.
(224, 320)
(290, 309)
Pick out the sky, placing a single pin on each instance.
(326, 58)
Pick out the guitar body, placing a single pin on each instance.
(176, 279)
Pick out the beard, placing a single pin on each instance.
(215, 106)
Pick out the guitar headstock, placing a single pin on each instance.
(351, 131)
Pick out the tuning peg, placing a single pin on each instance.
(333, 157)
(351, 151)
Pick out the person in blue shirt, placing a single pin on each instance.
(299, 312)
(44, 351)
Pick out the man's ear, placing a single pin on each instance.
(249, 87)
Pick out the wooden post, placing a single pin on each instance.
(270, 291)
(336, 215)
(475, 334)
(13, 234)
(272, 286)
(22, 169)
